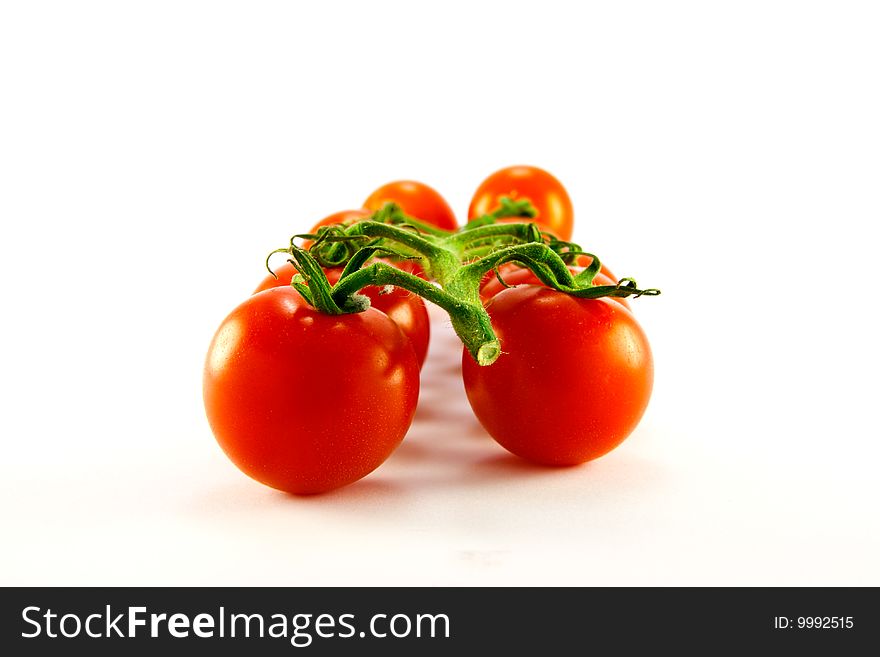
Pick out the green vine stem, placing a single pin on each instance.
(458, 261)
(469, 318)
(335, 244)
(440, 256)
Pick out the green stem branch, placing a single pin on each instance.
(458, 261)
(468, 317)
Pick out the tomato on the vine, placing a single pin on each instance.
(589, 359)
(522, 276)
(555, 213)
(306, 402)
(417, 200)
(405, 308)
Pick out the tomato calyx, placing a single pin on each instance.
(312, 284)
(392, 213)
(507, 208)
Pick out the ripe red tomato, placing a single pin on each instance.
(418, 200)
(405, 308)
(306, 402)
(589, 361)
(521, 276)
(541, 189)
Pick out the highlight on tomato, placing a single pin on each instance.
(417, 200)
(555, 214)
(590, 360)
(304, 401)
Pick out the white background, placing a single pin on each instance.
(151, 154)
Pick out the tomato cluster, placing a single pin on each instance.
(312, 381)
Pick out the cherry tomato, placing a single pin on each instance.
(416, 199)
(306, 402)
(405, 308)
(521, 276)
(541, 189)
(572, 382)
(346, 217)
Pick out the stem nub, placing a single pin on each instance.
(488, 353)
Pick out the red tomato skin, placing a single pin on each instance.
(306, 402)
(416, 199)
(542, 189)
(410, 266)
(521, 276)
(406, 309)
(572, 382)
